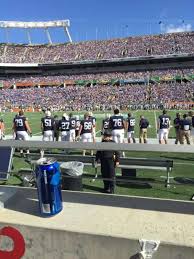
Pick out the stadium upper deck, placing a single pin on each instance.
(151, 45)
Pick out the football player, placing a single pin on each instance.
(130, 128)
(163, 127)
(117, 125)
(2, 129)
(78, 123)
(64, 126)
(56, 128)
(105, 124)
(191, 114)
(47, 127)
(72, 127)
(21, 128)
(86, 130)
(177, 127)
(93, 119)
(143, 125)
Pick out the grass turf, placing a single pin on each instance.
(154, 184)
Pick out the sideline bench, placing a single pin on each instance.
(125, 162)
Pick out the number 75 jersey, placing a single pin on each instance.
(116, 122)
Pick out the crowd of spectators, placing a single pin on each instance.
(101, 97)
(59, 79)
(162, 44)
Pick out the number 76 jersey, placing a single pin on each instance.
(116, 122)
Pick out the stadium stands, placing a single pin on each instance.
(162, 44)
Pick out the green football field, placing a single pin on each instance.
(34, 121)
(149, 183)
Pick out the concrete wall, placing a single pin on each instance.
(93, 226)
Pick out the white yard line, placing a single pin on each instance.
(37, 133)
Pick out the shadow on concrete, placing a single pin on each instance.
(25, 201)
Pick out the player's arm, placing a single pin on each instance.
(102, 128)
(158, 124)
(80, 130)
(28, 127)
(3, 127)
(41, 126)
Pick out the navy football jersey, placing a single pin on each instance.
(78, 123)
(177, 123)
(19, 123)
(105, 123)
(72, 123)
(185, 124)
(144, 123)
(116, 122)
(131, 123)
(48, 123)
(86, 126)
(64, 125)
(164, 121)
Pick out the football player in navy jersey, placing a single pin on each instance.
(93, 119)
(191, 114)
(86, 130)
(47, 126)
(2, 128)
(105, 124)
(117, 125)
(185, 129)
(143, 125)
(56, 128)
(64, 127)
(21, 128)
(72, 120)
(163, 127)
(130, 128)
(177, 127)
(78, 123)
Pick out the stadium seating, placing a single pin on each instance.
(162, 44)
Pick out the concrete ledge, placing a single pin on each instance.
(5, 195)
(93, 226)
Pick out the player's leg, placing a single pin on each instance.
(166, 136)
(182, 137)
(187, 136)
(133, 136)
(129, 137)
(161, 136)
(114, 136)
(84, 139)
(145, 136)
(141, 136)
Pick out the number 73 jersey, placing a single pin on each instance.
(116, 122)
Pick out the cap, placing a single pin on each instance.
(107, 133)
